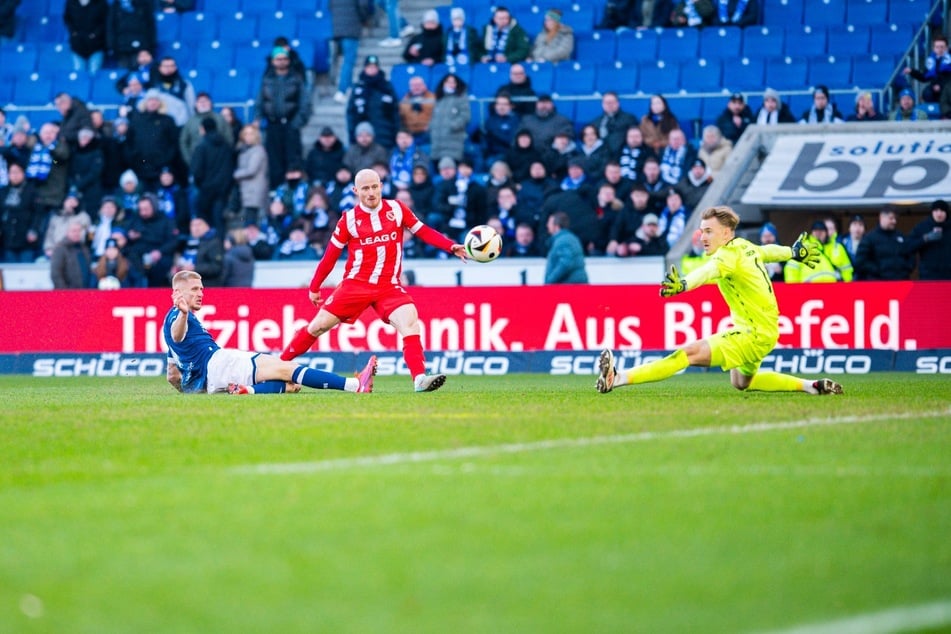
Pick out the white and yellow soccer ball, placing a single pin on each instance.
(483, 243)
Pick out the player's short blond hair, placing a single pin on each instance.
(724, 215)
(180, 278)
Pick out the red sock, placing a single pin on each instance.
(300, 344)
(413, 355)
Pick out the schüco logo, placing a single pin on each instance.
(588, 363)
(817, 362)
(933, 365)
(106, 365)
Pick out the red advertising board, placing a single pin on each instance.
(888, 315)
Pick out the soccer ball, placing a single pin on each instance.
(483, 243)
(110, 283)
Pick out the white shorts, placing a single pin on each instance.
(230, 366)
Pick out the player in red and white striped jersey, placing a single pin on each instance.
(372, 233)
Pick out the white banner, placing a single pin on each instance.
(846, 169)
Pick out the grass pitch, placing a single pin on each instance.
(515, 504)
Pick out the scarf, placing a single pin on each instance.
(456, 47)
(827, 115)
(723, 7)
(102, 233)
(935, 66)
(690, 11)
(41, 162)
(4, 177)
(766, 117)
(500, 38)
(672, 164)
(166, 200)
(126, 5)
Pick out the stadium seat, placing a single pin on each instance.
(805, 41)
(913, 12)
(543, 76)
(530, 19)
(33, 90)
(637, 45)
(866, 12)
(197, 27)
(890, 39)
(42, 28)
(103, 90)
(76, 84)
(298, 6)
(231, 86)
(582, 18)
(823, 12)
(486, 79)
(17, 59)
(597, 47)
(798, 104)
(36, 8)
(661, 77)
(277, 24)
(402, 73)
(721, 42)
(54, 58)
(574, 78)
(238, 30)
(745, 75)
(183, 53)
(637, 106)
(616, 76)
(835, 72)
(786, 73)
(464, 72)
(847, 40)
(782, 13)
(711, 107)
(872, 71)
(688, 111)
(585, 111)
(678, 44)
(214, 55)
(701, 75)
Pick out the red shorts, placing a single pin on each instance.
(351, 298)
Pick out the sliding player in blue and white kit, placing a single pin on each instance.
(738, 268)
(198, 364)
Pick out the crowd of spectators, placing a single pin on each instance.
(171, 183)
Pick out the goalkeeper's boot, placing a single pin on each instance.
(606, 372)
(429, 382)
(365, 376)
(237, 388)
(827, 386)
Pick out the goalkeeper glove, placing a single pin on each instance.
(673, 283)
(805, 250)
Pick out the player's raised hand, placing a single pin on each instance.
(673, 283)
(805, 250)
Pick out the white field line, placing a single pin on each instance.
(412, 457)
(901, 619)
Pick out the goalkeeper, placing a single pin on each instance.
(738, 267)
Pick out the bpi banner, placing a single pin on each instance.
(860, 315)
(840, 169)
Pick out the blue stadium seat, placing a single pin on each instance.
(575, 78)
(662, 77)
(890, 39)
(598, 47)
(637, 45)
(702, 75)
(835, 72)
(530, 18)
(183, 53)
(277, 24)
(168, 27)
(678, 44)
(786, 73)
(317, 33)
(238, 30)
(873, 70)
(866, 12)
(232, 86)
(805, 41)
(823, 12)
(42, 28)
(721, 42)
(299, 6)
(782, 13)
(402, 73)
(543, 76)
(486, 79)
(798, 104)
(581, 18)
(847, 40)
(464, 72)
(103, 90)
(200, 78)
(616, 76)
(744, 74)
(585, 111)
(54, 58)
(37, 8)
(33, 90)
(763, 41)
(913, 12)
(17, 59)
(214, 55)
(711, 107)
(197, 26)
(637, 106)
(688, 111)
(76, 84)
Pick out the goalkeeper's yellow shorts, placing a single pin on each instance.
(740, 349)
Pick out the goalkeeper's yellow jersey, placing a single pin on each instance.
(738, 268)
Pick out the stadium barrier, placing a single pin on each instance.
(838, 328)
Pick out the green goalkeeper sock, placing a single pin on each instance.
(655, 370)
(775, 382)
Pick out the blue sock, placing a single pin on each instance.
(318, 379)
(269, 387)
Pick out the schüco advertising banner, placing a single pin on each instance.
(867, 315)
(838, 169)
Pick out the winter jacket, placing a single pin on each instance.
(934, 250)
(517, 45)
(8, 17)
(190, 137)
(18, 217)
(71, 266)
(430, 43)
(128, 33)
(85, 174)
(374, 99)
(52, 191)
(565, 261)
(544, 129)
(448, 130)
(238, 267)
(882, 255)
(557, 49)
(613, 129)
(282, 99)
(349, 16)
(416, 113)
(213, 164)
(321, 164)
(152, 143)
(86, 26)
(252, 176)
